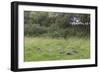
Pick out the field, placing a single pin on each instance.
(44, 48)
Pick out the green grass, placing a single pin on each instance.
(43, 49)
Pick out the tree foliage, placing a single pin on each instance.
(55, 24)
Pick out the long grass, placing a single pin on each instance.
(43, 49)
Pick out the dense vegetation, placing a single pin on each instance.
(52, 24)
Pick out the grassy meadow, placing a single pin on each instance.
(56, 36)
(43, 49)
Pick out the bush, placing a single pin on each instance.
(35, 30)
